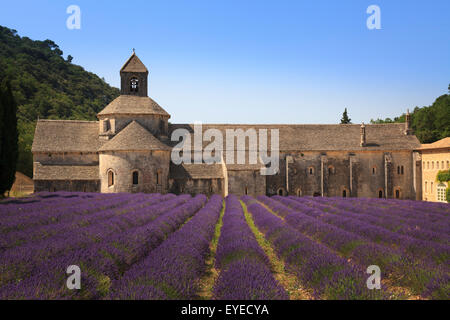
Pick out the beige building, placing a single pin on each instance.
(435, 157)
(129, 148)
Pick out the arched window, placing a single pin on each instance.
(281, 192)
(398, 169)
(246, 191)
(134, 85)
(428, 164)
(432, 164)
(441, 191)
(426, 187)
(299, 192)
(380, 194)
(402, 170)
(397, 193)
(135, 178)
(344, 193)
(374, 170)
(110, 178)
(331, 170)
(311, 170)
(437, 164)
(431, 187)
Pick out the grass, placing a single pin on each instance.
(288, 280)
(211, 274)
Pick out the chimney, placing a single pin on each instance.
(408, 130)
(363, 135)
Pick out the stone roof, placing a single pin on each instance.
(196, 171)
(66, 136)
(440, 144)
(134, 137)
(128, 104)
(324, 137)
(133, 64)
(68, 172)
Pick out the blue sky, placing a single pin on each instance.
(258, 61)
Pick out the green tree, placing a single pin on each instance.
(444, 176)
(47, 86)
(9, 137)
(345, 119)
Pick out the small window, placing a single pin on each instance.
(428, 164)
(281, 192)
(158, 178)
(442, 164)
(110, 178)
(380, 194)
(344, 193)
(448, 164)
(437, 164)
(432, 164)
(398, 169)
(402, 170)
(135, 178)
(331, 170)
(426, 187)
(134, 85)
(299, 192)
(431, 187)
(311, 170)
(246, 191)
(397, 194)
(374, 170)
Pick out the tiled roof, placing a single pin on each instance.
(196, 171)
(66, 136)
(134, 137)
(324, 137)
(128, 104)
(133, 64)
(440, 144)
(68, 172)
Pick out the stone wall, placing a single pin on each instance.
(147, 164)
(241, 182)
(67, 185)
(207, 187)
(360, 174)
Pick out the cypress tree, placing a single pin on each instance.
(345, 119)
(9, 138)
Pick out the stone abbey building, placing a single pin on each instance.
(129, 150)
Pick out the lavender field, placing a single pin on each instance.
(153, 246)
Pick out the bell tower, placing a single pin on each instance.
(134, 77)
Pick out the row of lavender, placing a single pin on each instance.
(104, 249)
(244, 267)
(320, 269)
(173, 270)
(417, 264)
